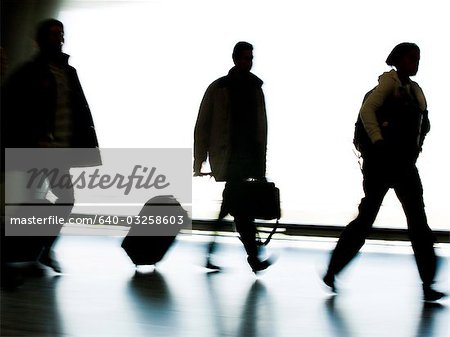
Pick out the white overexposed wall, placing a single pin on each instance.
(144, 66)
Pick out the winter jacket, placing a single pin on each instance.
(29, 106)
(389, 86)
(396, 113)
(29, 100)
(213, 130)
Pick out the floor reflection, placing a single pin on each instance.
(32, 310)
(151, 303)
(101, 293)
(338, 325)
(255, 317)
(432, 319)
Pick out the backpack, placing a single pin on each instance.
(403, 126)
(361, 139)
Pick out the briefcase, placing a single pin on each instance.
(258, 199)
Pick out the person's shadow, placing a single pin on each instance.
(152, 299)
(33, 309)
(337, 322)
(433, 318)
(256, 318)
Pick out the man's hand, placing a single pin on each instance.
(197, 168)
(201, 174)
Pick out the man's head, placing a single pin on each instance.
(50, 36)
(405, 57)
(243, 56)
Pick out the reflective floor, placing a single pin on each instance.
(102, 294)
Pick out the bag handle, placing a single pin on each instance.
(272, 232)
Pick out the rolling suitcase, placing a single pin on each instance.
(154, 230)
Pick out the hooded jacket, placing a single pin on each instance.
(397, 113)
(389, 86)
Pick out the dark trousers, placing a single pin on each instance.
(27, 248)
(245, 225)
(405, 180)
(63, 205)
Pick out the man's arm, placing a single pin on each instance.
(373, 103)
(202, 130)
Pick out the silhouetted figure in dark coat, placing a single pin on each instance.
(231, 131)
(43, 106)
(395, 119)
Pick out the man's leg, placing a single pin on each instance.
(354, 235)
(63, 190)
(410, 193)
(247, 231)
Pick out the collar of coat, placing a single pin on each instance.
(62, 58)
(227, 80)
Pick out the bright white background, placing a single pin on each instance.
(145, 65)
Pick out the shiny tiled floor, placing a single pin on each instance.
(101, 294)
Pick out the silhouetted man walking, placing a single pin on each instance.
(43, 106)
(394, 120)
(231, 131)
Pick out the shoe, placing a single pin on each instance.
(50, 262)
(258, 265)
(35, 269)
(329, 281)
(431, 295)
(212, 266)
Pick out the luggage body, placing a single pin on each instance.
(147, 250)
(154, 230)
